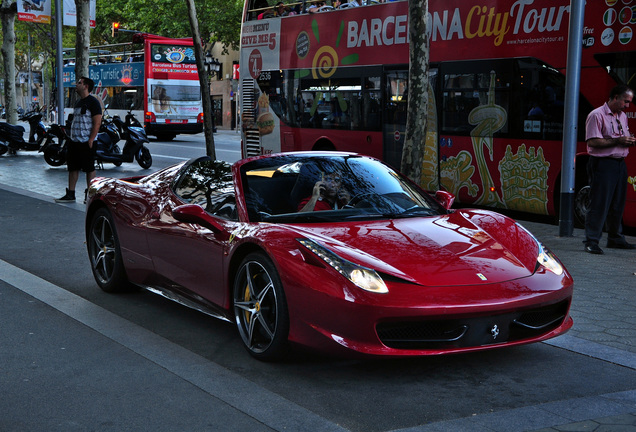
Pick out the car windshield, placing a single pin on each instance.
(299, 188)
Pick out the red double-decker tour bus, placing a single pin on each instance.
(172, 91)
(338, 79)
(156, 77)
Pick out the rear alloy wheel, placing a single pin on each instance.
(260, 308)
(105, 255)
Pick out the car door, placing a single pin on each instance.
(188, 257)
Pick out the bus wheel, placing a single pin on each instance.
(165, 137)
(582, 204)
(324, 145)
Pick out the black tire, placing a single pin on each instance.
(3, 149)
(165, 137)
(260, 308)
(582, 204)
(144, 158)
(324, 145)
(55, 155)
(105, 255)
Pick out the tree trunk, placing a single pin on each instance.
(8, 12)
(208, 127)
(82, 37)
(417, 121)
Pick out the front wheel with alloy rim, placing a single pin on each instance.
(260, 308)
(105, 255)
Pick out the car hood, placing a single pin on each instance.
(461, 248)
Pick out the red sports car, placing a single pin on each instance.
(332, 251)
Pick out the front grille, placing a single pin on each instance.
(540, 318)
(472, 331)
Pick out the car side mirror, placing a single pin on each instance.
(192, 213)
(446, 199)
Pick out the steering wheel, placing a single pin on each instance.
(357, 199)
(263, 216)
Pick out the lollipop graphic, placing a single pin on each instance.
(487, 119)
(326, 59)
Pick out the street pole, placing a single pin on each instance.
(29, 104)
(570, 118)
(59, 62)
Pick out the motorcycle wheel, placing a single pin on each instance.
(144, 158)
(55, 155)
(3, 149)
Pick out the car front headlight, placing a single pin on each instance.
(362, 277)
(545, 258)
(549, 261)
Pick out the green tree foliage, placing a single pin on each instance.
(218, 20)
(43, 44)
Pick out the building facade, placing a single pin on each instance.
(224, 88)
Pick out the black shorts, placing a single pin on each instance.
(80, 157)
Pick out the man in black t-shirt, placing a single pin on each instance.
(80, 152)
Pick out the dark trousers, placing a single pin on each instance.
(608, 184)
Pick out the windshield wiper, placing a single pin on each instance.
(297, 217)
(413, 211)
(363, 216)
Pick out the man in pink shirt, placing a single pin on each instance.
(608, 141)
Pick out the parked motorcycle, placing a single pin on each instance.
(55, 140)
(11, 136)
(113, 130)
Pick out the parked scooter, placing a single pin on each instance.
(55, 140)
(11, 136)
(134, 136)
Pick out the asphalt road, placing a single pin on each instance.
(75, 358)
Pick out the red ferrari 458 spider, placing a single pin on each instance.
(332, 251)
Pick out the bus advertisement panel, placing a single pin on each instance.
(339, 80)
(118, 85)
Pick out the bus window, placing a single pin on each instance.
(126, 98)
(348, 102)
(117, 98)
(164, 95)
(620, 65)
(395, 100)
(271, 84)
(466, 86)
(371, 105)
(542, 98)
